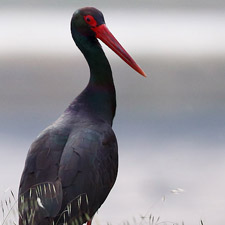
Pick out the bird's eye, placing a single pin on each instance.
(90, 20)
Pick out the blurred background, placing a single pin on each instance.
(170, 126)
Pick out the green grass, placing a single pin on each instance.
(9, 214)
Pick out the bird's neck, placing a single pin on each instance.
(98, 98)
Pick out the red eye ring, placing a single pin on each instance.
(90, 20)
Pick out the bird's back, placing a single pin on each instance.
(69, 171)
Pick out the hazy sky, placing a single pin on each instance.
(152, 4)
(184, 33)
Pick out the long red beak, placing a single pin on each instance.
(103, 33)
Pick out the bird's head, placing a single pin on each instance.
(86, 19)
(90, 22)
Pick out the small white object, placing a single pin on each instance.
(40, 203)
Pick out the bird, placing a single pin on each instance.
(72, 165)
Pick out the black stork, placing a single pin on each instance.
(72, 165)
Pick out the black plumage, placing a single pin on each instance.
(72, 165)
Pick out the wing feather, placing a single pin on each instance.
(88, 167)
